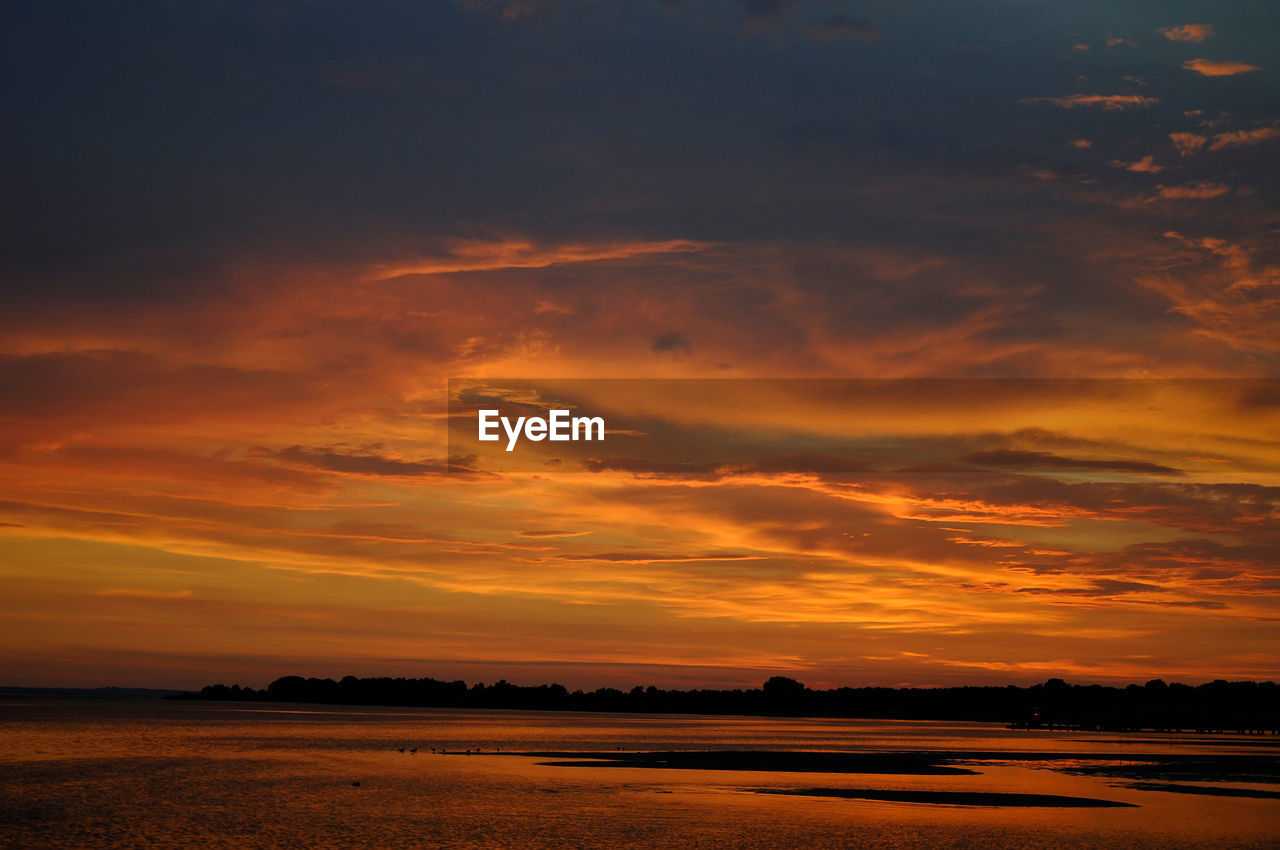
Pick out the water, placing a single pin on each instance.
(174, 774)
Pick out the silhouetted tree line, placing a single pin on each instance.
(1216, 706)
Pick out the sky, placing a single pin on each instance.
(939, 342)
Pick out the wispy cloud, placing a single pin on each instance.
(1109, 102)
(1194, 191)
(365, 461)
(1218, 285)
(1187, 143)
(1194, 33)
(483, 255)
(1218, 68)
(145, 593)
(1014, 459)
(1244, 137)
(1145, 165)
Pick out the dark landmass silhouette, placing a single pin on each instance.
(1152, 769)
(1218, 706)
(12, 692)
(1173, 770)
(950, 798)
(1205, 790)
(903, 764)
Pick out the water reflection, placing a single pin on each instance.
(179, 775)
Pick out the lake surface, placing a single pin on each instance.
(79, 773)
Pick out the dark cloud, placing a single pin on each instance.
(659, 557)
(1010, 459)
(673, 344)
(362, 462)
(117, 385)
(1245, 509)
(1097, 587)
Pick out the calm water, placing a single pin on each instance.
(164, 774)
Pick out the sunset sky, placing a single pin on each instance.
(248, 245)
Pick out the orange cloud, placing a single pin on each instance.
(1194, 191)
(1216, 68)
(1243, 137)
(1222, 296)
(483, 255)
(1194, 33)
(1187, 143)
(1110, 102)
(1145, 165)
(291, 440)
(1082, 144)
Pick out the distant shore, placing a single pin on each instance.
(11, 692)
(1249, 708)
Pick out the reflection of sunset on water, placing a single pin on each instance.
(284, 776)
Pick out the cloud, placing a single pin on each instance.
(660, 557)
(1244, 137)
(1187, 143)
(1082, 144)
(1109, 102)
(543, 307)
(844, 28)
(1011, 459)
(1145, 165)
(672, 343)
(365, 462)
(1216, 68)
(532, 242)
(1194, 191)
(647, 466)
(1223, 297)
(126, 386)
(1194, 33)
(145, 593)
(797, 463)
(479, 255)
(1096, 588)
